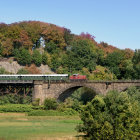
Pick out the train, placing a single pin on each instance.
(44, 77)
(77, 77)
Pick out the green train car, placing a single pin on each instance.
(32, 77)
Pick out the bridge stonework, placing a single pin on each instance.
(62, 90)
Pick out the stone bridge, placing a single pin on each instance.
(62, 90)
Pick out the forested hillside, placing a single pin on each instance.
(34, 42)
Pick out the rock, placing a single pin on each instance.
(45, 69)
(13, 67)
(10, 65)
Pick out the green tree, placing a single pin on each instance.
(55, 62)
(127, 69)
(51, 47)
(113, 60)
(61, 70)
(16, 53)
(37, 58)
(102, 73)
(136, 62)
(23, 56)
(111, 117)
(81, 55)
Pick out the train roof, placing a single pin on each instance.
(10, 75)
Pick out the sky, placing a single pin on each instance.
(116, 22)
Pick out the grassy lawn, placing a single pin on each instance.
(19, 126)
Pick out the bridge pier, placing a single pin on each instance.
(38, 91)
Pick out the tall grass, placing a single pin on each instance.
(19, 126)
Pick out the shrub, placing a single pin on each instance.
(37, 113)
(61, 107)
(1, 102)
(36, 102)
(70, 111)
(76, 106)
(45, 113)
(23, 71)
(15, 108)
(3, 71)
(10, 98)
(69, 104)
(26, 100)
(33, 69)
(14, 99)
(40, 107)
(50, 104)
(67, 112)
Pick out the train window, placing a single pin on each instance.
(75, 74)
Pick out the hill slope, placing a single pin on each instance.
(36, 43)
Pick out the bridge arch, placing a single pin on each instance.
(68, 90)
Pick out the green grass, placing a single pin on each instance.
(67, 112)
(18, 126)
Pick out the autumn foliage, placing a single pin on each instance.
(66, 52)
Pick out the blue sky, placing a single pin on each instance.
(116, 22)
